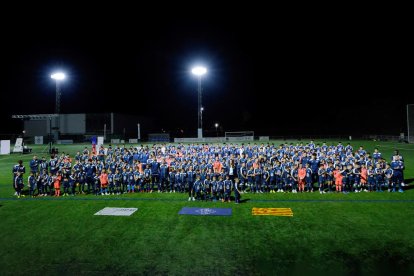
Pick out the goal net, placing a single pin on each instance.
(239, 136)
(410, 123)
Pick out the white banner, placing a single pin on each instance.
(18, 147)
(5, 147)
(100, 142)
(264, 138)
(115, 141)
(133, 141)
(115, 211)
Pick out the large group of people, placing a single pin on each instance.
(211, 171)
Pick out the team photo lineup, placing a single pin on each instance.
(211, 172)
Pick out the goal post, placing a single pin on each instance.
(234, 136)
(410, 123)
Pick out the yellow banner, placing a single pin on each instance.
(281, 212)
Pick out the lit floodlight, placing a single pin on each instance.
(58, 76)
(216, 125)
(199, 71)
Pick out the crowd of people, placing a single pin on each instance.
(211, 171)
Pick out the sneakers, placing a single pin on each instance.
(189, 199)
(193, 199)
(400, 191)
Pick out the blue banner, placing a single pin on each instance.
(195, 211)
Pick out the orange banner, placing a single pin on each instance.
(281, 212)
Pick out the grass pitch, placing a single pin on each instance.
(364, 233)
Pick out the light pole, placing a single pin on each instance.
(199, 72)
(216, 125)
(58, 76)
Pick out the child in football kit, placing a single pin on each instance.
(237, 190)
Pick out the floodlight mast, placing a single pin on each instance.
(199, 71)
(58, 77)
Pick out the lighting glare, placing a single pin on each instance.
(58, 76)
(216, 125)
(199, 71)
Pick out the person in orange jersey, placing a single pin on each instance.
(338, 179)
(103, 178)
(301, 177)
(56, 183)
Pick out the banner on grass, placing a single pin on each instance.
(281, 212)
(114, 211)
(195, 211)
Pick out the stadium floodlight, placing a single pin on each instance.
(216, 125)
(199, 71)
(58, 76)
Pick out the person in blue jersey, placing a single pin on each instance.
(43, 165)
(18, 184)
(243, 177)
(314, 165)
(34, 165)
(124, 180)
(41, 187)
(18, 168)
(379, 180)
(171, 179)
(330, 177)
(147, 179)
(294, 179)
(90, 173)
(376, 155)
(228, 183)
(32, 184)
(265, 180)
(214, 189)
(183, 180)
(72, 183)
(190, 180)
(177, 181)
(258, 179)
(117, 182)
(220, 189)
(308, 178)
(131, 181)
(207, 188)
(65, 182)
(53, 164)
(388, 178)
(321, 178)
(356, 171)
(286, 178)
(196, 190)
(190, 175)
(111, 184)
(237, 190)
(81, 181)
(155, 174)
(278, 176)
(371, 178)
(163, 176)
(397, 166)
(272, 179)
(250, 179)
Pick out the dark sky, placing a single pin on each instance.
(272, 76)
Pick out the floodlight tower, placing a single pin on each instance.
(58, 77)
(199, 71)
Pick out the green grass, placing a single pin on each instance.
(364, 233)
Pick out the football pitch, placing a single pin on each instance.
(329, 234)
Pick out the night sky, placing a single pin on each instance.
(257, 71)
